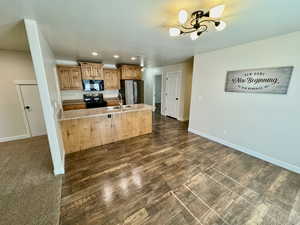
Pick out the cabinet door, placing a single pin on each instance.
(64, 78)
(98, 71)
(91, 71)
(85, 71)
(75, 79)
(69, 77)
(116, 127)
(131, 72)
(71, 135)
(100, 131)
(111, 79)
(138, 73)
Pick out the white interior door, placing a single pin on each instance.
(172, 94)
(33, 109)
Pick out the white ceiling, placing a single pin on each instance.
(75, 28)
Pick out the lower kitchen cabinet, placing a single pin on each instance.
(74, 106)
(83, 133)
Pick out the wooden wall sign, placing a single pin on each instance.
(273, 80)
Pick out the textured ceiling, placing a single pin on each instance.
(75, 28)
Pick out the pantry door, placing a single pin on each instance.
(33, 109)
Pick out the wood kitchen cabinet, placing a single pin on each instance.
(112, 102)
(74, 106)
(83, 133)
(111, 79)
(91, 71)
(69, 77)
(131, 72)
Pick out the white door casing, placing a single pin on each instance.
(33, 109)
(172, 94)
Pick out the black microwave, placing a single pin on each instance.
(93, 85)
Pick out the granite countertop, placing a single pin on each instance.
(94, 112)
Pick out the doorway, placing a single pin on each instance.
(172, 94)
(157, 88)
(32, 109)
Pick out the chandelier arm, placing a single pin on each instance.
(211, 21)
(205, 26)
(188, 32)
(187, 28)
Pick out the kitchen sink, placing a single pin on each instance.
(113, 107)
(127, 106)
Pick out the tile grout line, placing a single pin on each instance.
(233, 180)
(188, 180)
(239, 196)
(206, 204)
(189, 211)
(218, 182)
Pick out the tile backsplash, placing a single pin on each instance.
(71, 95)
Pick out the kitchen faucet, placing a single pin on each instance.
(120, 97)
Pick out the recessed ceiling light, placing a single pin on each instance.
(95, 53)
(116, 56)
(133, 58)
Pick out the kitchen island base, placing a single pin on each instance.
(82, 133)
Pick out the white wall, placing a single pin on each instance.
(45, 71)
(264, 125)
(14, 66)
(185, 89)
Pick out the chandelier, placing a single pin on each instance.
(198, 22)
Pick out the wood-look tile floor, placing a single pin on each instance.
(172, 177)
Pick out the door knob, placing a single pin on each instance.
(27, 107)
(177, 98)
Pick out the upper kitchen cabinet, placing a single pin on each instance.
(69, 77)
(111, 79)
(131, 72)
(91, 71)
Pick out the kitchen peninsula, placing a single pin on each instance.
(86, 128)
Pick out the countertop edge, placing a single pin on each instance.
(106, 113)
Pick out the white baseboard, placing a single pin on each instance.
(255, 154)
(13, 138)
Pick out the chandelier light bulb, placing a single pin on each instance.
(220, 25)
(217, 11)
(182, 16)
(194, 35)
(174, 32)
